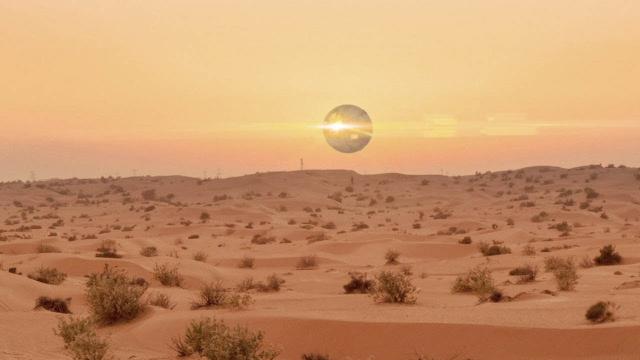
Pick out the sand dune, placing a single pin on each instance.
(348, 222)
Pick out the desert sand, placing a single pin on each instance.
(421, 217)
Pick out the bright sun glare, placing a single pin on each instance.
(338, 126)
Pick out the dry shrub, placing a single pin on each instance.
(359, 284)
(200, 256)
(526, 273)
(494, 249)
(477, 280)
(216, 295)
(315, 356)
(566, 274)
(149, 251)
(48, 275)
(272, 283)
(53, 304)
(391, 257)
(528, 250)
(46, 248)
(161, 300)
(108, 250)
(260, 239)
(214, 340)
(600, 312)
(608, 256)
(81, 340)
(113, 297)
(465, 240)
(394, 287)
(246, 263)
(307, 262)
(167, 275)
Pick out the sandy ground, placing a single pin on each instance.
(311, 313)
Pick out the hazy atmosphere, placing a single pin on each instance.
(102, 88)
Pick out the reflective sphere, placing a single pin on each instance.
(347, 128)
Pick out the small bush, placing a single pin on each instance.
(395, 287)
(314, 356)
(552, 263)
(528, 250)
(601, 312)
(81, 340)
(214, 340)
(566, 275)
(586, 262)
(108, 250)
(608, 256)
(477, 280)
(307, 262)
(46, 248)
(48, 275)
(200, 256)
(215, 295)
(161, 300)
(359, 284)
(53, 304)
(391, 257)
(492, 250)
(272, 284)
(246, 263)
(149, 251)
(167, 275)
(527, 273)
(465, 240)
(113, 297)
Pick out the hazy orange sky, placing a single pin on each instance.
(94, 88)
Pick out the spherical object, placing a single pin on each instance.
(347, 128)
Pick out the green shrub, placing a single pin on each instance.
(113, 297)
(167, 275)
(48, 275)
(601, 312)
(394, 287)
(81, 340)
(214, 340)
(608, 256)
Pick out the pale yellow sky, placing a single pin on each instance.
(102, 87)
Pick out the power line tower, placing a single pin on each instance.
(218, 174)
(32, 174)
(135, 172)
(301, 164)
